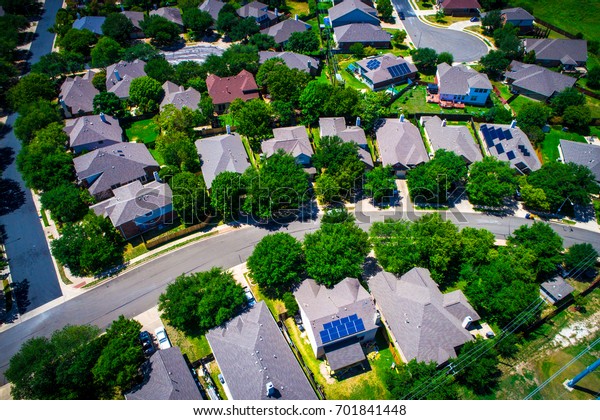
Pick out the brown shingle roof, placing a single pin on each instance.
(460, 4)
(223, 90)
(179, 97)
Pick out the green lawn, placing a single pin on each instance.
(519, 102)
(550, 144)
(413, 101)
(504, 89)
(297, 7)
(570, 15)
(143, 131)
(349, 78)
(594, 105)
(157, 156)
(194, 347)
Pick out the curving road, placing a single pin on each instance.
(137, 290)
(463, 46)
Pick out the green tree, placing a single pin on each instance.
(190, 199)
(327, 189)
(277, 263)
(172, 120)
(385, 10)
(89, 247)
(381, 183)
(106, 52)
(482, 374)
(99, 81)
(162, 31)
(533, 114)
(335, 251)
(491, 182)
(568, 97)
(545, 245)
(499, 115)
(303, 42)
(533, 197)
(66, 203)
(22, 7)
(341, 161)
(278, 184)
(529, 58)
(476, 246)
(399, 37)
(118, 27)
(146, 93)
(284, 113)
(507, 40)
(414, 381)
(79, 41)
(109, 103)
(29, 89)
(226, 20)
(186, 71)
(159, 69)
(580, 257)
(578, 118)
(243, 29)
(491, 21)
(291, 306)
(371, 108)
(255, 121)
(343, 101)
(425, 59)
(200, 301)
(593, 77)
(141, 51)
(35, 116)
(432, 182)
(59, 63)
(312, 100)
(357, 50)
(226, 194)
(197, 21)
(494, 63)
(263, 42)
(445, 57)
(284, 84)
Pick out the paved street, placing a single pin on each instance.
(464, 47)
(29, 258)
(136, 291)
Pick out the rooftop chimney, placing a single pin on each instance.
(228, 128)
(401, 117)
(358, 121)
(102, 117)
(513, 124)
(270, 389)
(117, 75)
(444, 122)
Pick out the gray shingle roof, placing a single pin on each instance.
(360, 32)
(382, 72)
(135, 18)
(212, 7)
(347, 6)
(120, 75)
(134, 200)
(169, 379)
(453, 138)
(582, 154)
(346, 298)
(291, 59)
(538, 79)
(117, 164)
(557, 49)
(292, 140)
(422, 319)
(284, 29)
(221, 153)
(91, 129)
(251, 352)
(255, 9)
(510, 145)
(91, 23)
(180, 97)
(557, 288)
(517, 13)
(172, 14)
(336, 126)
(78, 93)
(457, 80)
(401, 143)
(343, 354)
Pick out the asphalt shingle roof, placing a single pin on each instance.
(457, 80)
(347, 6)
(382, 73)
(255, 9)
(126, 71)
(221, 153)
(212, 7)
(510, 145)
(180, 97)
(251, 352)
(223, 90)
(292, 140)
(169, 379)
(453, 138)
(582, 154)
(134, 17)
(291, 59)
(557, 49)
(401, 143)
(91, 23)
(172, 14)
(284, 29)
(517, 13)
(360, 32)
(538, 79)
(557, 288)
(91, 129)
(78, 93)
(426, 324)
(460, 4)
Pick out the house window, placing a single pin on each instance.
(473, 98)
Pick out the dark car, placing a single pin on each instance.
(146, 340)
(401, 15)
(474, 19)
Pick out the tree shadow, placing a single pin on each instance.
(12, 196)
(584, 213)
(21, 295)
(370, 267)
(7, 156)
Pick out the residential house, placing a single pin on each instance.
(255, 360)
(400, 145)
(337, 127)
(103, 170)
(172, 14)
(137, 208)
(120, 75)
(459, 7)
(220, 154)
(180, 97)
(136, 18)
(581, 154)
(77, 94)
(259, 11)
(292, 140)
(555, 290)
(385, 70)
(223, 90)
(519, 18)
(510, 144)
(453, 138)
(168, 377)
(212, 7)
(91, 23)
(361, 33)
(93, 132)
(338, 320)
(292, 60)
(462, 84)
(352, 11)
(536, 82)
(565, 53)
(423, 323)
(283, 30)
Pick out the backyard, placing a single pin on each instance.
(549, 146)
(143, 131)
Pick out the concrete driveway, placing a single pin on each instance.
(463, 46)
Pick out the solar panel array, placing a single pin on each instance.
(373, 64)
(510, 155)
(399, 70)
(341, 328)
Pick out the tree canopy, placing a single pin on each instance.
(381, 183)
(29, 89)
(482, 374)
(57, 63)
(66, 202)
(580, 257)
(79, 41)
(494, 63)
(190, 199)
(162, 31)
(35, 116)
(118, 27)
(306, 42)
(340, 161)
(106, 52)
(197, 21)
(146, 93)
(109, 103)
(544, 243)
(254, 120)
(432, 182)
(226, 193)
(425, 59)
(159, 69)
(491, 182)
(413, 380)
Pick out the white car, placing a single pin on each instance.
(161, 337)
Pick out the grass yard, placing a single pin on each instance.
(157, 156)
(570, 15)
(194, 347)
(504, 89)
(298, 7)
(134, 250)
(143, 131)
(213, 370)
(519, 102)
(594, 105)
(446, 21)
(549, 146)
(349, 78)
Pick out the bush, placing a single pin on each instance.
(290, 303)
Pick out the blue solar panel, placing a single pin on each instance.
(499, 148)
(399, 70)
(325, 337)
(334, 336)
(336, 323)
(341, 328)
(327, 326)
(353, 317)
(351, 329)
(360, 326)
(373, 64)
(508, 134)
(501, 135)
(493, 134)
(510, 155)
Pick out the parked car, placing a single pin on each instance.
(474, 19)
(147, 345)
(221, 379)
(401, 15)
(161, 337)
(250, 301)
